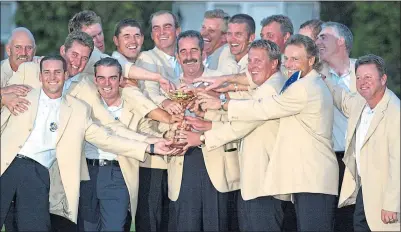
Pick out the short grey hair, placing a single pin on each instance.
(315, 25)
(218, 14)
(84, 18)
(342, 31)
(191, 34)
(272, 49)
(81, 38)
(372, 59)
(309, 45)
(284, 21)
(162, 12)
(109, 62)
(21, 29)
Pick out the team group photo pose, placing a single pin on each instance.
(230, 120)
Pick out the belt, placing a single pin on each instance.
(102, 162)
(340, 154)
(24, 157)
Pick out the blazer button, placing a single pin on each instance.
(7, 164)
(180, 163)
(30, 129)
(20, 146)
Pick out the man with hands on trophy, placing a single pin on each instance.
(198, 182)
(107, 169)
(303, 149)
(264, 61)
(44, 164)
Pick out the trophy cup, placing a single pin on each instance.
(183, 98)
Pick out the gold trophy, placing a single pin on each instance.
(183, 98)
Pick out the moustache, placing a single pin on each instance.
(190, 61)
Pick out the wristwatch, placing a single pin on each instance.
(202, 138)
(223, 100)
(152, 149)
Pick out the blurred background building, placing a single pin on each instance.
(375, 25)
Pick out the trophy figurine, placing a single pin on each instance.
(183, 98)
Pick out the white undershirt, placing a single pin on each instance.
(340, 123)
(91, 151)
(41, 143)
(366, 119)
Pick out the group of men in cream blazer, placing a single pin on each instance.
(282, 128)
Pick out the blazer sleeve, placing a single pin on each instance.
(343, 100)
(100, 113)
(225, 132)
(291, 102)
(5, 116)
(151, 88)
(109, 142)
(135, 98)
(391, 199)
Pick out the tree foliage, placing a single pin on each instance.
(48, 20)
(376, 30)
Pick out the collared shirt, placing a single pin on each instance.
(41, 143)
(120, 57)
(366, 119)
(243, 64)
(174, 63)
(340, 121)
(91, 151)
(67, 83)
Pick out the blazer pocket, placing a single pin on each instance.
(231, 168)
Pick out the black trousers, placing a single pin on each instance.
(199, 207)
(104, 200)
(260, 214)
(360, 223)
(29, 182)
(152, 212)
(343, 216)
(315, 211)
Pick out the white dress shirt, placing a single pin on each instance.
(366, 119)
(340, 123)
(91, 151)
(174, 64)
(41, 143)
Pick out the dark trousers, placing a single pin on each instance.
(360, 223)
(104, 200)
(29, 182)
(199, 207)
(343, 216)
(315, 211)
(10, 223)
(260, 214)
(152, 212)
(290, 217)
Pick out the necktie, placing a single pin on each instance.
(294, 77)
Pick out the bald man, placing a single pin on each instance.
(20, 48)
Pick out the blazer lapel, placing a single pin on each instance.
(75, 87)
(352, 85)
(34, 100)
(126, 115)
(353, 123)
(166, 63)
(379, 114)
(65, 114)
